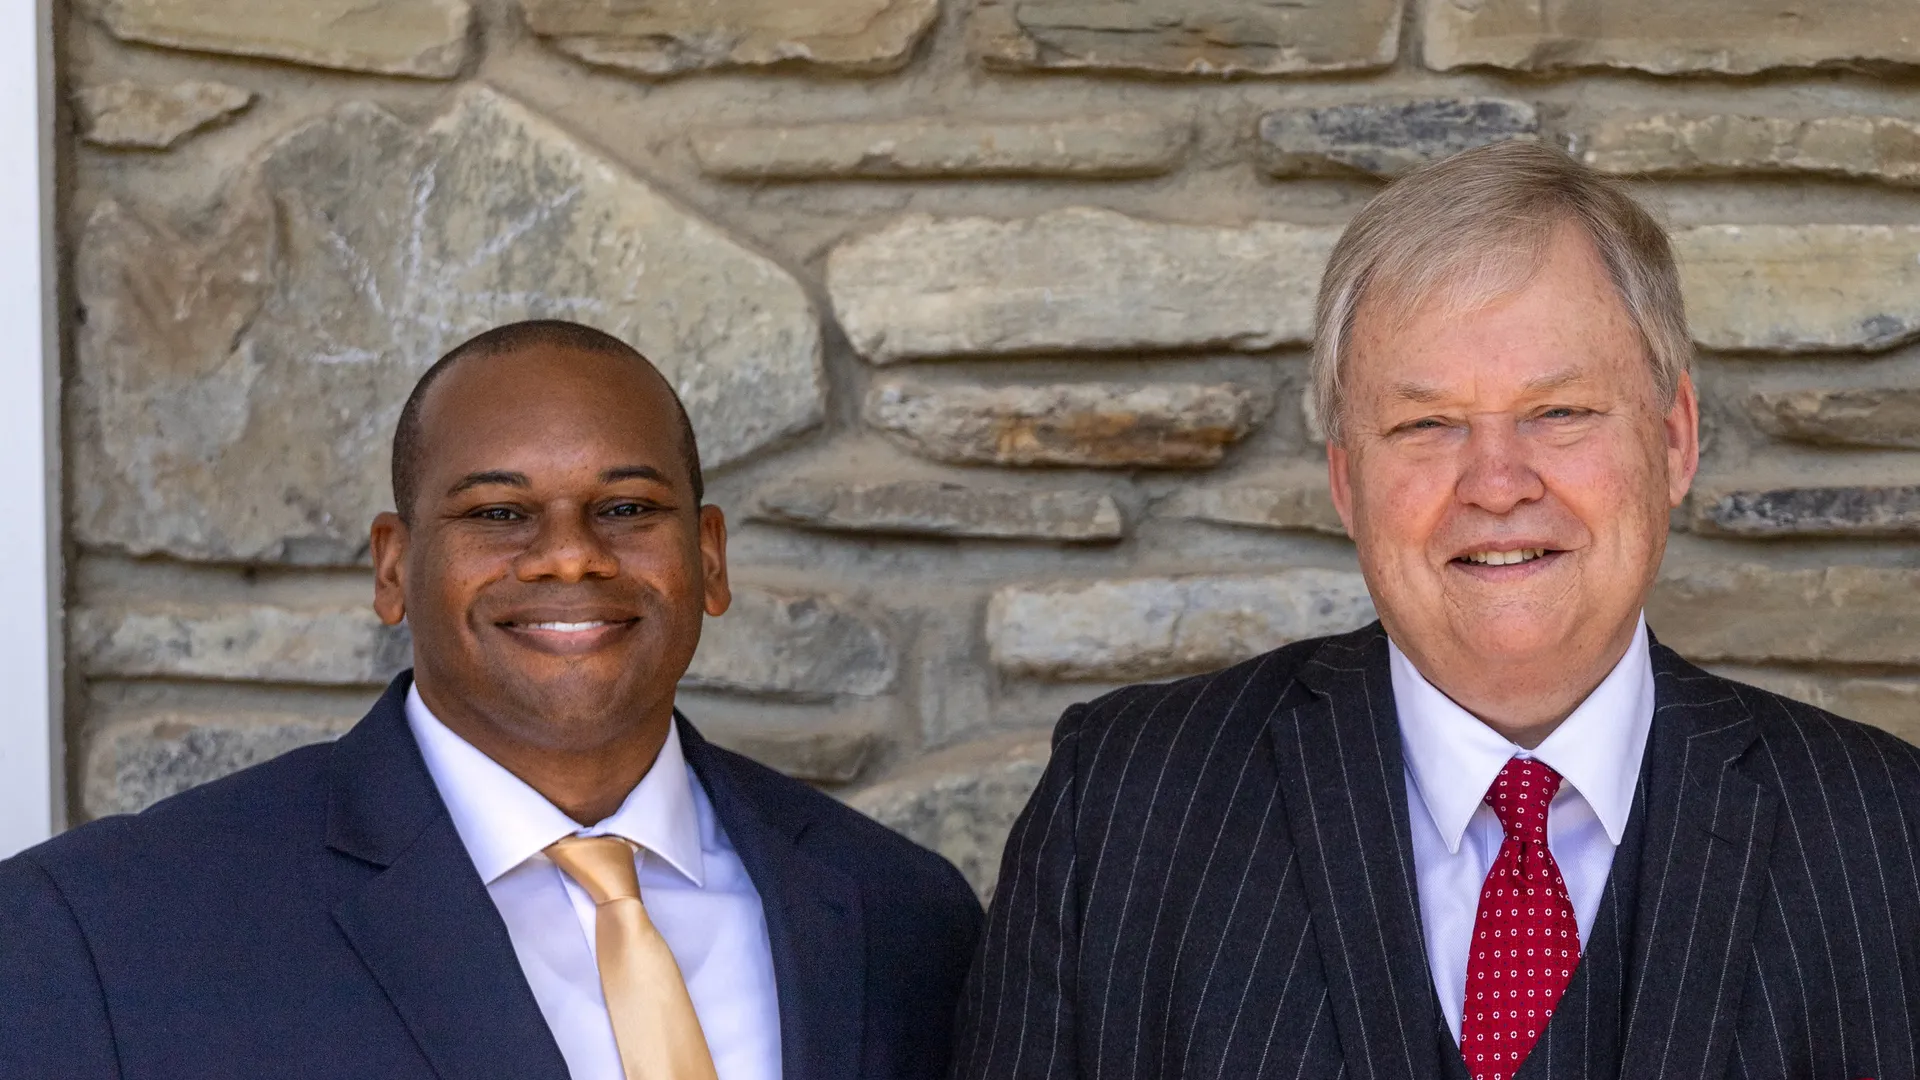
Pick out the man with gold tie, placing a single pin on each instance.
(524, 862)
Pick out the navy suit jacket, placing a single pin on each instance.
(317, 916)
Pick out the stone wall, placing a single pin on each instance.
(991, 315)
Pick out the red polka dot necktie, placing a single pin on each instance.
(1525, 940)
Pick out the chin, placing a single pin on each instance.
(562, 726)
(1514, 638)
(575, 711)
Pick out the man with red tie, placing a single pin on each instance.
(1502, 832)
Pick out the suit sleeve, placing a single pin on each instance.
(1911, 799)
(53, 1013)
(1017, 1017)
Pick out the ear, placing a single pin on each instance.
(713, 560)
(389, 542)
(1340, 483)
(1681, 426)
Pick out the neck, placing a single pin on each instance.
(1524, 701)
(586, 769)
(1515, 722)
(588, 787)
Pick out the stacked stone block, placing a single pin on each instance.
(991, 315)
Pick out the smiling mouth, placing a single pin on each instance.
(569, 637)
(568, 627)
(1504, 558)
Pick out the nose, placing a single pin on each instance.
(566, 548)
(1497, 474)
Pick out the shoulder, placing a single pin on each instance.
(1248, 694)
(106, 901)
(887, 867)
(1812, 745)
(1808, 749)
(270, 807)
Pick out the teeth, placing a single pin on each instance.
(1505, 558)
(565, 627)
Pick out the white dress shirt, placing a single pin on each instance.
(1452, 758)
(691, 880)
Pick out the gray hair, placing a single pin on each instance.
(1477, 226)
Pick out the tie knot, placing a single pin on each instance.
(603, 865)
(1519, 797)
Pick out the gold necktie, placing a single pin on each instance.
(654, 1024)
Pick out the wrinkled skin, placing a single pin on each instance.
(1531, 422)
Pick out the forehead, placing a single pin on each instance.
(548, 406)
(1561, 316)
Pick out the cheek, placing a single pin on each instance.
(1402, 503)
(1614, 487)
(669, 561)
(462, 570)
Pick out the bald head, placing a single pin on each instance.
(556, 564)
(521, 337)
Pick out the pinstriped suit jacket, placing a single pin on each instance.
(1214, 880)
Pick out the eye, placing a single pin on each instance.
(496, 513)
(1561, 412)
(629, 509)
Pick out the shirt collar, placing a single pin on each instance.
(503, 821)
(1597, 749)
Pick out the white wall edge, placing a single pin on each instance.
(32, 767)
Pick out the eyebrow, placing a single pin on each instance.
(1426, 395)
(1555, 380)
(494, 476)
(634, 472)
(1418, 392)
(506, 478)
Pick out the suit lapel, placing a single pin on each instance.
(814, 918)
(1343, 783)
(424, 925)
(1709, 832)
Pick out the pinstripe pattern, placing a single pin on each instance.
(1213, 880)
